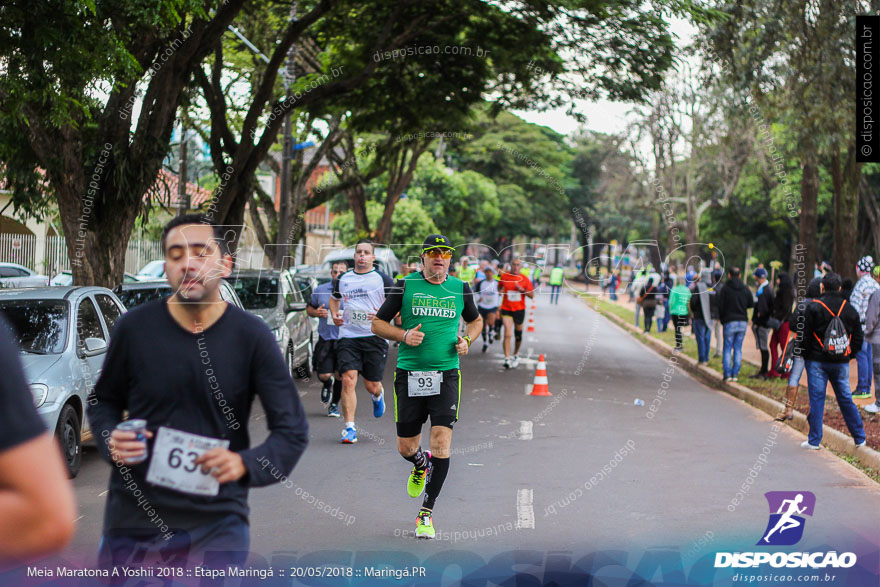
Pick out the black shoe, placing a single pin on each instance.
(327, 391)
(758, 376)
(485, 346)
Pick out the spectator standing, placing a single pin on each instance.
(678, 308)
(796, 326)
(761, 319)
(733, 303)
(648, 301)
(702, 312)
(830, 363)
(782, 304)
(872, 335)
(717, 285)
(861, 293)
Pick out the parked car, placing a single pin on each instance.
(15, 275)
(134, 294)
(66, 278)
(152, 270)
(306, 284)
(273, 296)
(386, 261)
(63, 333)
(318, 272)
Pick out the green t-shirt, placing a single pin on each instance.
(678, 300)
(467, 274)
(438, 308)
(556, 276)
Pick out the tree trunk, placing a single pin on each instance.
(809, 217)
(846, 210)
(872, 211)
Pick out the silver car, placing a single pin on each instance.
(273, 296)
(63, 333)
(15, 275)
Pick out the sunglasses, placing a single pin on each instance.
(434, 253)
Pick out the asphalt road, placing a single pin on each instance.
(556, 478)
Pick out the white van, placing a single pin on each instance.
(386, 261)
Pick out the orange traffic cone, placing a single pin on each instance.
(541, 386)
(531, 327)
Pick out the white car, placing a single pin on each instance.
(152, 270)
(15, 275)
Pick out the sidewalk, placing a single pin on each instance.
(750, 350)
(774, 389)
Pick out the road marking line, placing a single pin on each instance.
(103, 493)
(525, 510)
(525, 429)
(79, 518)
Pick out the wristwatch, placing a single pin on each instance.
(467, 338)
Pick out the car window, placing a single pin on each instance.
(109, 310)
(257, 293)
(305, 287)
(38, 326)
(12, 272)
(135, 297)
(88, 325)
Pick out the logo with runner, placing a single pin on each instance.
(786, 525)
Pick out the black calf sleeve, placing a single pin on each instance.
(435, 481)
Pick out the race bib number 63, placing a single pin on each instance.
(172, 464)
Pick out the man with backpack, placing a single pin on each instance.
(832, 337)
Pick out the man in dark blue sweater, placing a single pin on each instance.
(190, 366)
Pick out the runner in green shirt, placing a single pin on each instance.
(427, 381)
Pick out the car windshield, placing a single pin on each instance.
(132, 298)
(257, 293)
(154, 268)
(38, 326)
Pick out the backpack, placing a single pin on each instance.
(835, 341)
(786, 359)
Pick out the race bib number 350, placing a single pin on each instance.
(173, 462)
(422, 383)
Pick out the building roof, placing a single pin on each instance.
(164, 191)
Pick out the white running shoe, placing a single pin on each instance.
(507, 362)
(871, 408)
(806, 444)
(515, 362)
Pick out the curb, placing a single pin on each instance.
(831, 438)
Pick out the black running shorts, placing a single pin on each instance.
(411, 412)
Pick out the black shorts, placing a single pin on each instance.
(325, 356)
(486, 311)
(365, 354)
(411, 412)
(519, 316)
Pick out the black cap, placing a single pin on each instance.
(436, 241)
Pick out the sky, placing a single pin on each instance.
(603, 115)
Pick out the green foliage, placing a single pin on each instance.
(412, 224)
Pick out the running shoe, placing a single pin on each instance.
(861, 394)
(327, 391)
(507, 362)
(333, 411)
(349, 436)
(871, 408)
(858, 444)
(515, 362)
(424, 525)
(806, 444)
(415, 485)
(485, 346)
(379, 405)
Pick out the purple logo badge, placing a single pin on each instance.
(786, 525)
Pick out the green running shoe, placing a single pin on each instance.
(415, 485)
(424, 525)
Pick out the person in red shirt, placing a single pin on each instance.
(514, 287)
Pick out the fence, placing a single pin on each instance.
(18, 248)
(49, 257)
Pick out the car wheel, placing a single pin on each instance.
(70, 439)
(305, 368)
